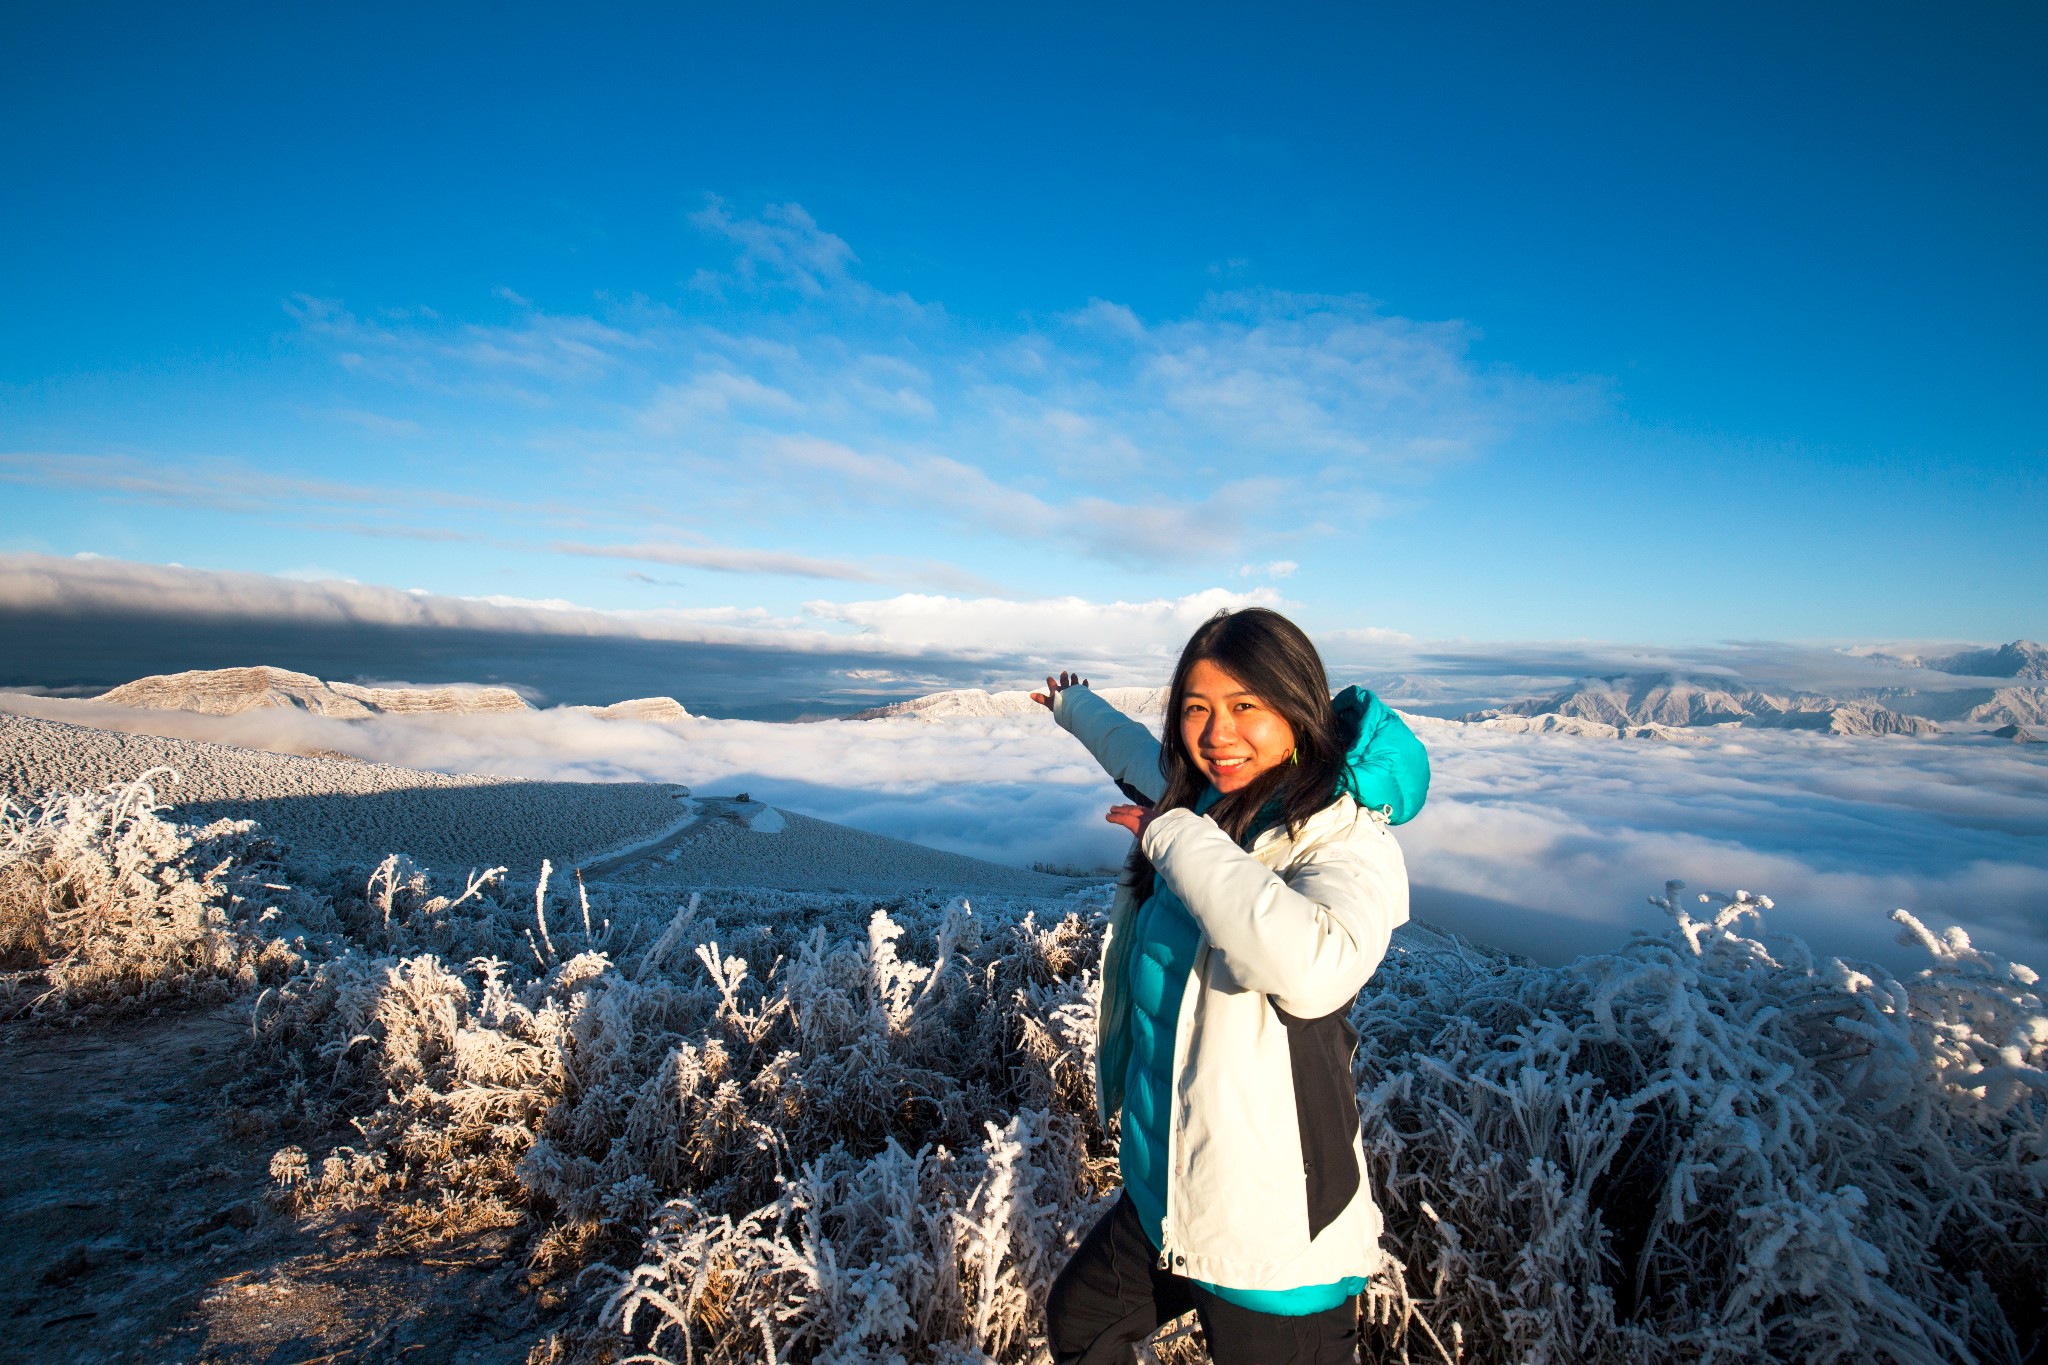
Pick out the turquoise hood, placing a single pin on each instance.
(1385, 767)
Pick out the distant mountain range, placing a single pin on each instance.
(1659, 706)
(1671, 704)
(1659, 703)
(2020, 659)
(1666, 707)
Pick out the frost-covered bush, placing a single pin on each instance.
(1711, 1146)
(764, 1100)
(106, 906)
(832, 1128)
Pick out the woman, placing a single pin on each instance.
(1259, 899)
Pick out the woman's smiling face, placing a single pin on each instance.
(1231, 732)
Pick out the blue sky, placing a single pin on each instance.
(1466, 321)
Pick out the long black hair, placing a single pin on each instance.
(1271, 656)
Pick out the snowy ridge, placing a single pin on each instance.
(231, 691)
(1626, 702)
(655, 710)
(2018, 705)
(1615, 706)
(2019, 659)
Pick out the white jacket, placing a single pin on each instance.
(1267, 1187)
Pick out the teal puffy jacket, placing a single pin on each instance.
(1385, 767)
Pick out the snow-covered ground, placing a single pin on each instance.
(1541, 843)
(351, 812)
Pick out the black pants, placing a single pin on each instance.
(1112, 1295)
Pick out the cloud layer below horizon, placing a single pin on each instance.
(1545, 844)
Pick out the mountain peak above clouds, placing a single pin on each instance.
(660, 710)
(2019, 659)
(232, 691)
(1657, 705)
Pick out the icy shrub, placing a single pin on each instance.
(105, 905)
(918, 1255)
(765, 1101)
(841, 1129)
(1710, 1146)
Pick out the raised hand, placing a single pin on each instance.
(1133, 818)
(1053, 689)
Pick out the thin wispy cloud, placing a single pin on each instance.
(432, 535)
(227, 484)
(1264, 420)
(783, 247)
(722, 560)
(531, 360)
(376, 422)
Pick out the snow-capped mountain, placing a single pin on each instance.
(1664, 701)
(2019, 659)
(1671, 703)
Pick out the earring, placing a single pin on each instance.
(1294, 757)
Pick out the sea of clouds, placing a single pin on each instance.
(1544, 844)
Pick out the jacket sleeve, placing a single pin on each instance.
(1124, 747)
(1310, 941)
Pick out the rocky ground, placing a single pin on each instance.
(134, 1223)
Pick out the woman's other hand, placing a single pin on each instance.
(1053, 689)
(1136, 819)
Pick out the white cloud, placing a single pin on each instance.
(1141, 638)
(677, 407)
(1138, 639)
(785, 244)
(786, 248)
(1838, 831)
(85, 588)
